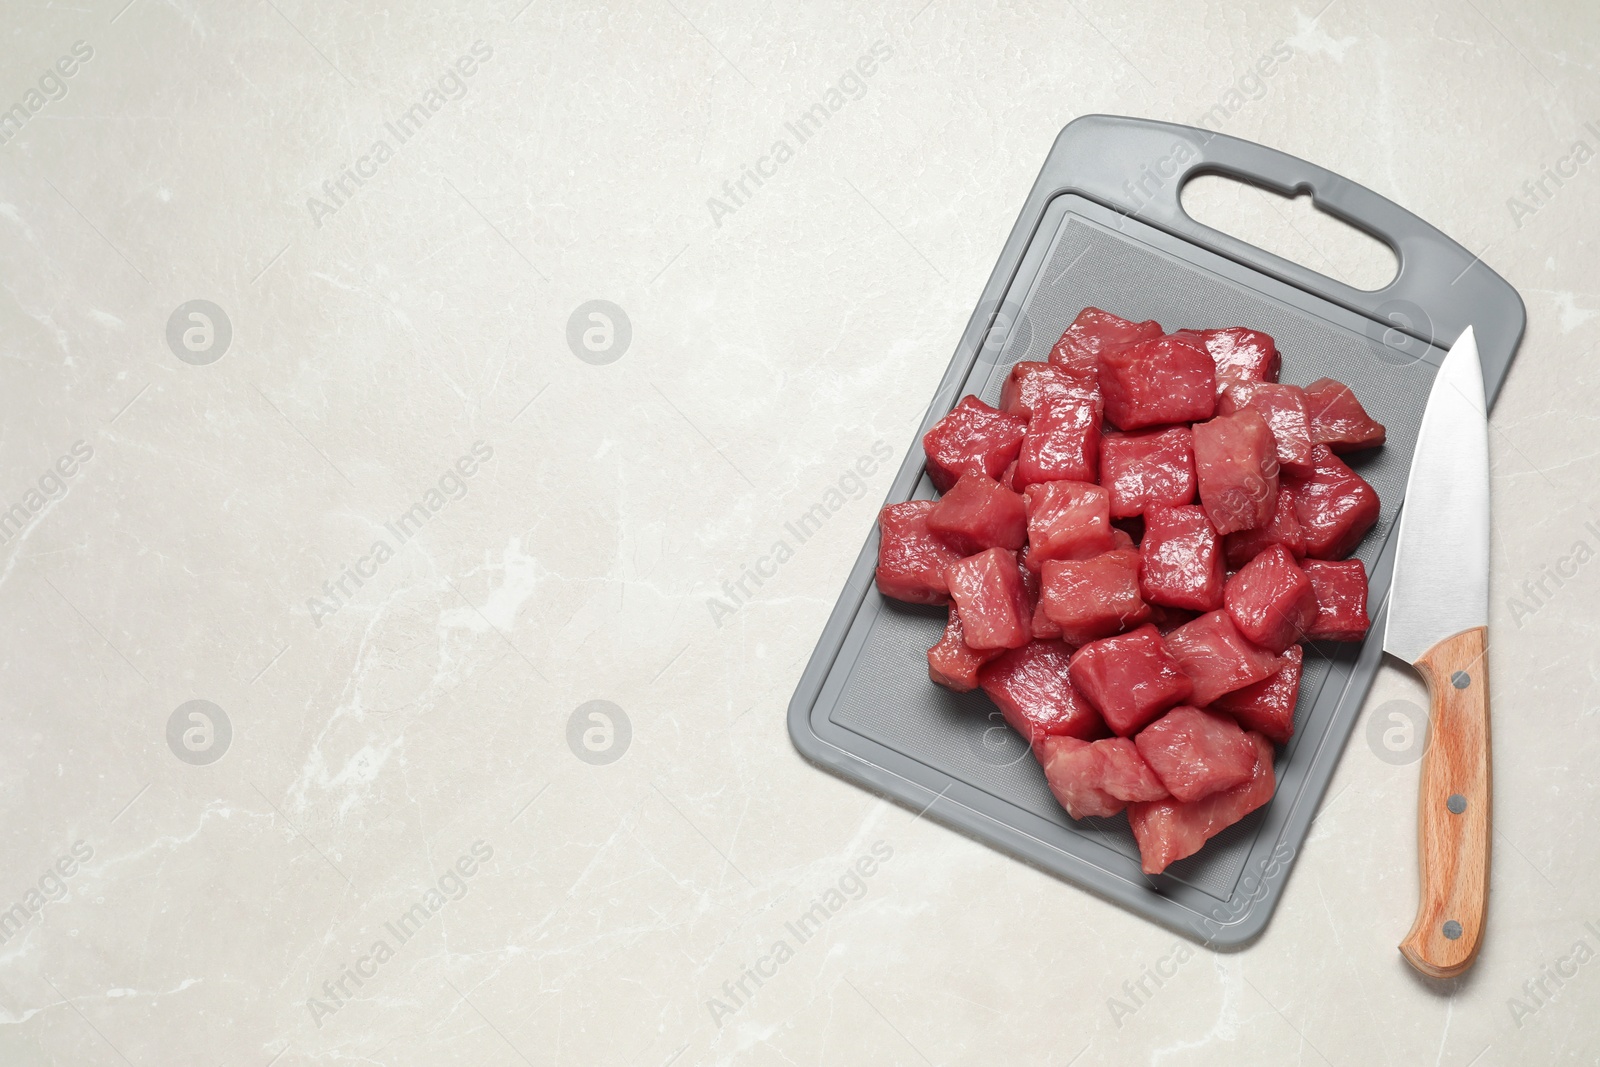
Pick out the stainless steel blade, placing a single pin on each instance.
(1441, 567)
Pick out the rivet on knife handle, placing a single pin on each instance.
(1453, 809)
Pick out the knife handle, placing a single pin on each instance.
(1453, 809)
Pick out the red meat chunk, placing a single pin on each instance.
(1196, 753)
(1169, 830)
(1097, 778)
(978, 513)
(1267, 707)
(1129, 679)
(1284, 529)
(1141, 470)
(1034, 692)
(911, 560)
(1093, 334)
(1271, 600)
(973, 438)
(1066, 520)
(1236, 465)
(1156, 382)
(1062, 442)
(1181, 559)
(1240, 355)
(1031, 384)
(988, 590)
(1284, 408)
(954, 665)
(1341, 594)
(1073, 770)
(1337, 418)
(1095, 597)
(1217, 658)
(1011, 401)
(1335, 505)
(1127, 775)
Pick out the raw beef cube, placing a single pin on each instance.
(1008, 478)
(1094, 333)
(1271, 600)
(1341, 593)
(973, 438)
(1240, 355)
(1284, 408)
(1130, 679)
(1063, 442)
(1157, 382)
(988, 590)
(1031, 384)
(1140, 470)
(1031, 687)
(1066, 520)
(1267, 707)
(1097, 778)
(1095, 597)
(1169, 830)
(1018, 378)
(951, 663)
(911, 560)
(978, 513)
(1181, 559)
(1236, 465)
(1217, 658)
(1337, 418)
(1284, 529)
(1074, 770)
(1335, 505)
(1196, 753)
(1126, 775)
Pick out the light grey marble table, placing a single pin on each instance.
(306, 417)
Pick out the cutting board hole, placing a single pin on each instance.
(1294, 229)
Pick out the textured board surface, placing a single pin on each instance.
(866, 707)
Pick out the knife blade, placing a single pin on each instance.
(1438, 621)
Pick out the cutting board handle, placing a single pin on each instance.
(1138, 167)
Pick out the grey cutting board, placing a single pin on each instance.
(1103, 227)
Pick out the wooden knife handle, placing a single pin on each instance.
(1453, 809)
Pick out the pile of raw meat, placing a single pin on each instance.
(1146, 644)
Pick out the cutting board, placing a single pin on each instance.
(1104, 226)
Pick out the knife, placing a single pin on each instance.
(1438, 622)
